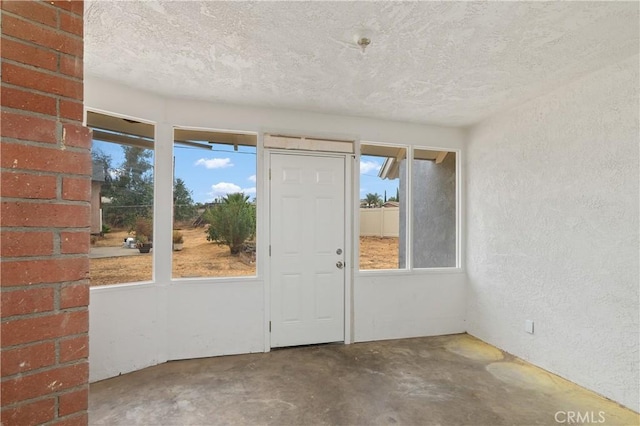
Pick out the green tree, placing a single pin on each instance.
(183, 206)
(129, 188)
(232, 221)
(373, 200)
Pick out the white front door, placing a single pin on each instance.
(307, 249)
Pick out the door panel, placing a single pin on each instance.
(307, 228)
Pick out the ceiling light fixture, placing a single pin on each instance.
(363, 42)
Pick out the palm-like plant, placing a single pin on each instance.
(231, 222)
(373, 200)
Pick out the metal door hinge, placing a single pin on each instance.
(269, 326)
(269, 250)
(269, 174)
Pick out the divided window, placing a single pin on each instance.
(121, 200)
(214, 204)
(388, 233)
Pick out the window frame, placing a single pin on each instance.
(259, 207)
(409, 266)
(89, 110)
(458, 242)
(356, 215)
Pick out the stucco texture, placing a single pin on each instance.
(552, 219)
(434, 213)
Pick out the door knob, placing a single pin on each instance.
(339, 264)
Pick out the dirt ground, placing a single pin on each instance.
(201, 258)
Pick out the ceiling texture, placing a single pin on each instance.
(448, 63)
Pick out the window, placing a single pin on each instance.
(433, 196)
(214, 204)
(381, 236)
(121, 200)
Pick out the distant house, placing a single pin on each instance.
(434, 202)
(97, 179)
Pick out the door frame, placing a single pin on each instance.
(349, 161)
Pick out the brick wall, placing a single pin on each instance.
(45, 166)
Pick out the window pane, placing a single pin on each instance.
(381, 234)
(121, 200)
(434, 209)
(214, 212)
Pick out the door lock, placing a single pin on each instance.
(339, 264)
(339, 251)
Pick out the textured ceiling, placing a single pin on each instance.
(451, 63)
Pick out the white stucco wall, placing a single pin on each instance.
(552, 219)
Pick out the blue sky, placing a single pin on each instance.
(210, 174)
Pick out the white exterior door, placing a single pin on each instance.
(307, 249)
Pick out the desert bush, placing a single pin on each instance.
(178, 238)
(143, 227)
(231, 222)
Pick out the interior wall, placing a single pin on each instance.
(138, 325)
(552, 217)
(403, 305)
(124, 330)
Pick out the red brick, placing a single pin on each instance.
(38, 384)
(18, 156)
(76, 189)
(76, 135)
(71, 65)
(81, 419)
(74, 242)
(73, 296)
(51, 38)
(71, 110)
(71, 23)
(41, 214)
(34, 413)
(21, 126)
(19, 243)
(76, 7)
(25, 77)
(22, 185)
(27, 272)
(27, 358)
(21, 302)
(30, 55)
(33, 11)
(28, 101)
(27, 330)
(73, 402)
(74, 348)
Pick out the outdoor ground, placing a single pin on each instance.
(201, 258)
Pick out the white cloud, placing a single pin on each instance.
(223, 188)
(369, 166)
(214, 163)
(252, 178)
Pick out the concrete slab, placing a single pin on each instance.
(100, 252)
(447, 380)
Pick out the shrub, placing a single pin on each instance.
(231, 222)
(178, 238)
(106, 228)
(143, 227)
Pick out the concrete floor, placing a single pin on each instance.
(448, 380)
